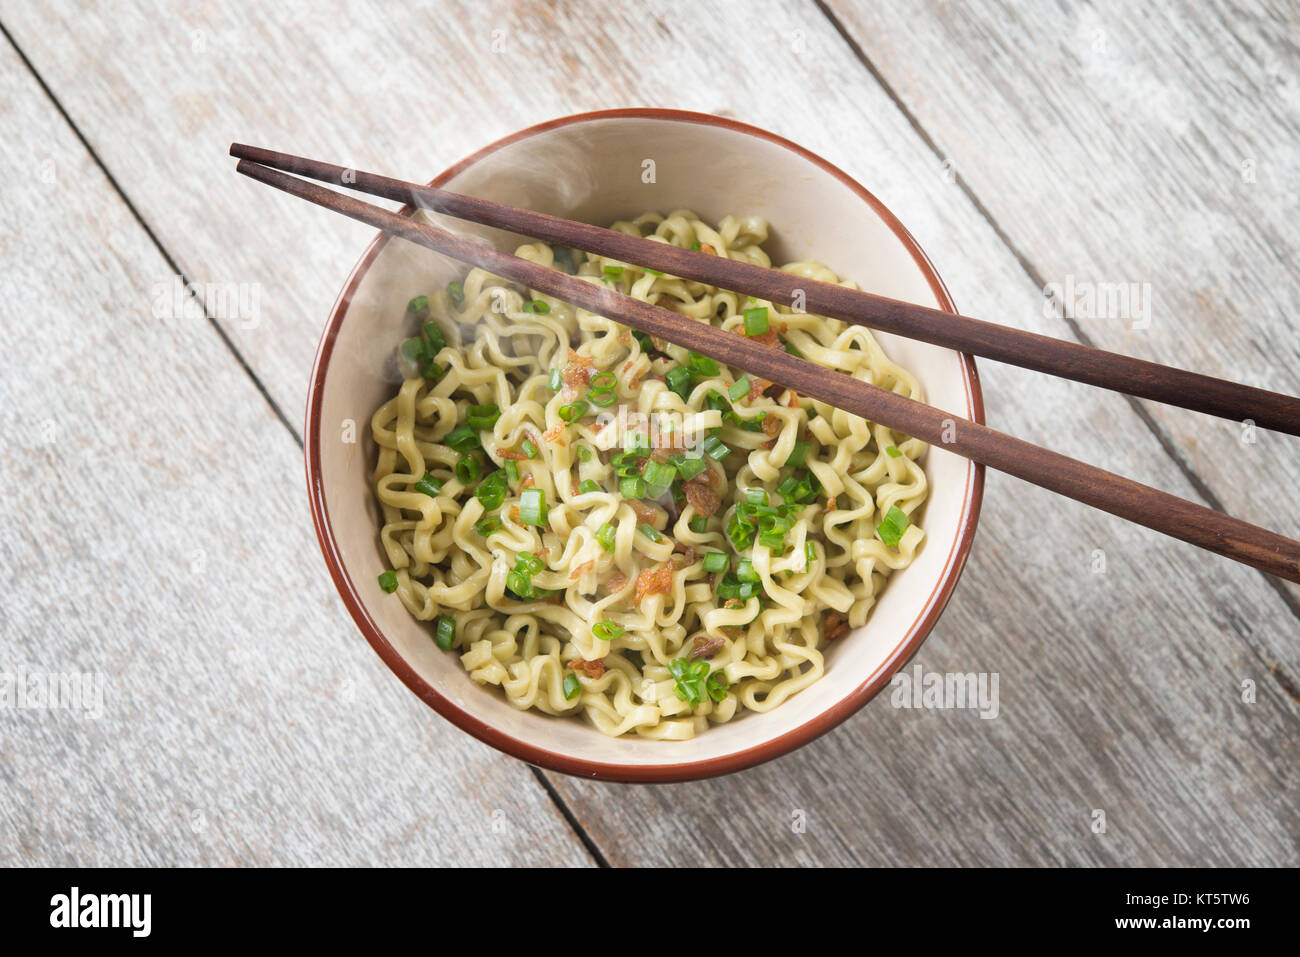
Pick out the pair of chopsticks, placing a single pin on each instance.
(1085, 483)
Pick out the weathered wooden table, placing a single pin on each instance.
(154, 528)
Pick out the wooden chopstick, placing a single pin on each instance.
(1112, 493)
(1070, 360)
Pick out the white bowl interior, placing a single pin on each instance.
(592, 171)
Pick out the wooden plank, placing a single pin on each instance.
(1156, 146)
(1119, 690)
(152, 537)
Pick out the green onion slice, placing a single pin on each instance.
(572, 686)
(483, 416)
(892, 528)
(429, 485)
(468, 468)
(756, 321)
(715, 562)
(492, 490)
(715, 448)
(445, 634)
(532, 507)
(463, 438)
(799, 454)
(702, 365)
(605, 536)
(573, 412)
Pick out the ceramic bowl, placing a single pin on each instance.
(592, 167)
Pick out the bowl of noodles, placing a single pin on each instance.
(600, 552)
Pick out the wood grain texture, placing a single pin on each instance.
(152, 536)
(1126, 144)
(1120, 690)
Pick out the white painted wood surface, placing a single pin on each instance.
(153, 535)
(1120, 691)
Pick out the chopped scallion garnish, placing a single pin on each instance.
(756, 321)
(715, 448)
(715, 562)
(572, 686)
(445, 634)
(388, 582)
(482, 416)
(680, 379)
(892, 528)
(798, 454)
(492, 491)
(528, 563)
(532, 507)
(637, 443)
(605, 536)
(429, 485)
(689, 678)
(468, 468)
(689, 466)
(658, 473)
(716, 685)
(702, 365)
(573, 412)
(463, 438)
(433, 336)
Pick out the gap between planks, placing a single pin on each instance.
(580, 832)
(1288, 684)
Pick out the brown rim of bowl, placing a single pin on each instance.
(657, 773)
